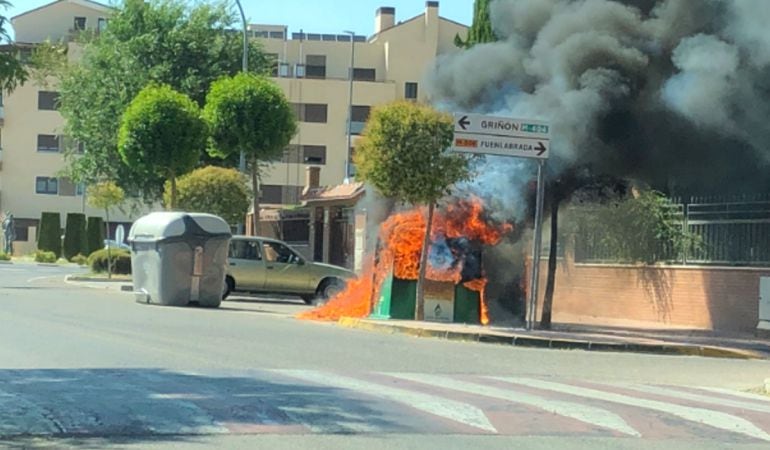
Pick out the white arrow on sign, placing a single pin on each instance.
(503, 146)
(501, 126)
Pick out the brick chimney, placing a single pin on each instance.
(312, 177)
(431, 13)
(384, 19)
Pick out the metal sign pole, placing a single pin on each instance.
(536, 246)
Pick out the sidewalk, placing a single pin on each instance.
(580, 338)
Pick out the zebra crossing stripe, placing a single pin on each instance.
(715, 419)
(442, 407)
(699, 397)
(583, 413)
(746, 395)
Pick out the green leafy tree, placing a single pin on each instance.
(175, 42)
(481, 28)
(403, 154)
(95, 235)
(105, 196)
(12, 72)
(250, 114)
(214, 190)
(49, 235)
(162, 135)
(75, 235)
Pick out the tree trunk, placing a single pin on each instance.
(109, 249)
(419, 306)
(255, 203)
(172, 180)
(550, 284)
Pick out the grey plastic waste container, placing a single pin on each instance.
(179, 258)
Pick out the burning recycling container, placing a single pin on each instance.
(444, 301)
(179, 258)
(455, 281)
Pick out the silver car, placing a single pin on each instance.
(264, 265)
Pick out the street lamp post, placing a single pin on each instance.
(244, 69)
(350, 103)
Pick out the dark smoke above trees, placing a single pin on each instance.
(672, 93)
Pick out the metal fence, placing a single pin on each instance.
(727, 231)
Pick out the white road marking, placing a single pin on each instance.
(746, 395)
(442, 407)
(716, 419)
(583, 413)
(699, 397)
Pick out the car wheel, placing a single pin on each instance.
(228, 288)
(328, 289)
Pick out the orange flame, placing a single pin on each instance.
(401, 237)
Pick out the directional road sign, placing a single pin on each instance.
(489, 135)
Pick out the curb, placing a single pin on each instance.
(78, 278)
(518, 340)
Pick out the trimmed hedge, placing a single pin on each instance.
(121, 261)
(49, 235)
(45, 257)
(75, 235)
(79, 260)
(94, 235)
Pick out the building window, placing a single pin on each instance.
(315, 66)
(364, 74)
(25, 55)
(48, 143)
(360, 113)
(314, 154)
(46, 185)
(271, 193)
(48, 100)
(101, 24)
(80, 24)
(311, 112)
(410, 90)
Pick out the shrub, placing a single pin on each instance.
(49, 236)
(75, 235)
(214, 190)
(5, 256)
(43, 256)
(79, 260)
(121, 261)
(95, 235)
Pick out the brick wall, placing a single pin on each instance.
(718, 298)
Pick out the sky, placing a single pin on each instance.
(317, 16)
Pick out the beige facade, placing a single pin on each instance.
(31, 129)
(312, 69)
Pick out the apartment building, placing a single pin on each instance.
(31, 138)
(312, 69)
(314, 72)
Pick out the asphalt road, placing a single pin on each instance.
(87, 367)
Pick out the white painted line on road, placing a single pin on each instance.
(583, 413)
(668, 392)
(746, 395)
(32, 280)
(715, 419)
(442, 407)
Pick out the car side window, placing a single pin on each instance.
(279, 253)
(245, 250)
